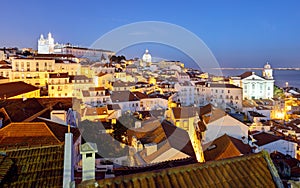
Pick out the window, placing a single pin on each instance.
(52, 87)
(28, 66)
(88, 155)
(228, 91)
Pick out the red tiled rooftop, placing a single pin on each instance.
(11, 89)
(27, 133)
(234, 172)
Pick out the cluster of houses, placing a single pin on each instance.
(107, 119)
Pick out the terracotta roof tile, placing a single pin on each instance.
(225, 147)
(97, 89)
(140, 95)
(234, 172)
(245, 75)
(3, 62)
(113, 107)
(28, 133)
(59, 130)
(125, 170)
(37, 167)
(58, 75)
(185, 112)
(218, 85)
(263, 138)
(123, 96)
(18, 110)
(215, 115)
(5, 169)
(5, 67)
(15, 88)
(206, 109)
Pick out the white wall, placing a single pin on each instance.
(225, 125)
(281, 146)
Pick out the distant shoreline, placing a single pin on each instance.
(228, 68)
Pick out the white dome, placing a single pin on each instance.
(147, 57)
(267, 66)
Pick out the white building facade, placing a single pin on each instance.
(46, 45)
(254, 86)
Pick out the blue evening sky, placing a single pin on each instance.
(239, 33)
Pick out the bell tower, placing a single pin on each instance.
(268, 72)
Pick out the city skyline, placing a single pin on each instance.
(149, 94)
(237, 33)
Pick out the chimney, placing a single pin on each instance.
(88, 151)
(68, 178)
(150, 148)
(138, 124)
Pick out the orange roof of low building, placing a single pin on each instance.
(27, 133)
(12, 89)
(185, 112)
(234, 172)
(225, 147)
(36, 167)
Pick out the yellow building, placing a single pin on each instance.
(87, 71)
(33, 71)
(5, 69)
(15, 90)
(187, 118)
(104, 80)
(72, 67)
(65, 85)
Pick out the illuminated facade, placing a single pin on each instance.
(254, 86)
(187, 118)
(46, 45)
(33, 71)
